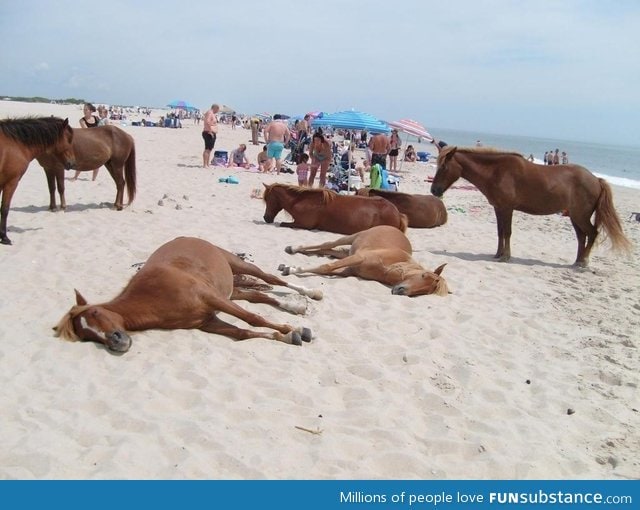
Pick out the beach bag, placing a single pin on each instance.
(375, 176)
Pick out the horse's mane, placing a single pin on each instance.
(64, 328)
(327, 194)
(33, 131)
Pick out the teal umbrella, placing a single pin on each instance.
(351, 119)
(181, 105)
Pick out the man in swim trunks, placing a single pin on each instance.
(276, 134)
(379, 145)
(209, 133)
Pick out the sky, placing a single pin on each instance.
(543, 68)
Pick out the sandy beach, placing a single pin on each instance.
(475, 385)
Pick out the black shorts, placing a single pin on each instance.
(380, 159)
(393, 152)
(209, 140)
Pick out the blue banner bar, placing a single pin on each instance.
(320, 495)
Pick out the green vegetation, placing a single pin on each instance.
(71, 100)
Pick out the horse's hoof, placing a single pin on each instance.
(306, 335)
(289, 249)
(296, 338)
(5, 240)
(286, 271)
(119, 208)
(281, 267)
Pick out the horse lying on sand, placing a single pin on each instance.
(380, 253)
(105, 145)
(423, 211)
(510, 182)
(22, 140)
(324, 209)
(183, 285)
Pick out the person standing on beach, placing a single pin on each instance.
(394, 150)
(321, 153)
(209, 133)
(379, 145)
(556, 158)
(88, 120)
(276, 134)
(565, 158)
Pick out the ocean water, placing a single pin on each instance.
(620, 165)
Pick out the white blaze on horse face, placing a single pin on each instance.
(85, 325)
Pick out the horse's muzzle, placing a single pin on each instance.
(118, 341)
(267, 219)
(68, 165)
(437, 191)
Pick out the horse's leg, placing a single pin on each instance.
(60, 182)
(325, 249)
(220, 327)
(255, 296)
(7, 194)
(239, 266)
(117, 175)
(343, 267)
(586, 234)
(503, 218)
(283, 332)
(51, 183)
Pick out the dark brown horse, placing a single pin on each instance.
(183, 285)
(510, 182)
(380, 253)
(106, 145)
(323, 209)
(22, 140)
(423, 211)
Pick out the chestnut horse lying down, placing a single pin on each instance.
(183, 285)
(324, 209)
(382, 254)
(423, 211)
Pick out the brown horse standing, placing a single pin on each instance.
(510, 182)
(22, 140)
(106, 145)
(324, 209)
(423, 211)
(380, 253)
(183, 285)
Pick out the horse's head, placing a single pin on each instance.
(421, 283)
(63, 148)
(273, 203)
(448, 172)
(94, 324)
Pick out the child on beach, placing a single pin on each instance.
(303, 170)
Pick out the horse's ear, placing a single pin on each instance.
(439, 269)
(65, 123)
(265, 185)
(79, 299)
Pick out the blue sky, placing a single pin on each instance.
(557, 69)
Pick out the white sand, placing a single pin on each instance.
(423, 388)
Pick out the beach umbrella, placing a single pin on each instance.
(411, 127)
(225, 108)
(181, 105)
(351, 119)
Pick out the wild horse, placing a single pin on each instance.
(510, 182)
(381, 253)
(324, 209)
(106, 145)
(423, 211)
(22, 140)
(183, 285)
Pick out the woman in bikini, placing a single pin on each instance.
(88, 120)
(394, 145)
(321, 153)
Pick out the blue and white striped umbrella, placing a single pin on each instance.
(351, 119)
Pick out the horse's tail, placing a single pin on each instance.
(404, 222)
(608, 222)
(130, 173)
